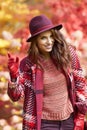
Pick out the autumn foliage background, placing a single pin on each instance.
(14, 20)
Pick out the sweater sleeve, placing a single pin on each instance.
(16, 91)
(18, 88)
(80, 82)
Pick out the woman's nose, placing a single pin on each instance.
(50, 40)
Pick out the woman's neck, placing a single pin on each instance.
(46, 56)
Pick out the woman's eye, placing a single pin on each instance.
(43, 38)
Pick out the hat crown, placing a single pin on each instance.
(38, 23)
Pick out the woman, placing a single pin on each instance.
(50, 79)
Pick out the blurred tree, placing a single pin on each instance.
(14, 14)
(14, 19)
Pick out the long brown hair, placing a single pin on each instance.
(60, 53)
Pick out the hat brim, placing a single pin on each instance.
(58, 27)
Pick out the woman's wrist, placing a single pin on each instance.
(13, 79)
(11, 84)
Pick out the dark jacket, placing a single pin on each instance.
(30, 85)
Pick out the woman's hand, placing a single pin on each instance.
(13, 64)
(79, 122)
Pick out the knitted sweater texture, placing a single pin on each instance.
(30, 85)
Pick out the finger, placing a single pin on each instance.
(17, 59)
(9, 55)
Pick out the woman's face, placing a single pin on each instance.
(45, 42)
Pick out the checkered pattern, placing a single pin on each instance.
(31, 90)
(79, 82)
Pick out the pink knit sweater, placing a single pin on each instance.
(56, 103)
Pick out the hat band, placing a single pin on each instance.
(41, 29)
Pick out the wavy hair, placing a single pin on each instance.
(60, 53)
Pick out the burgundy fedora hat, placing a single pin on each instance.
(39, 24)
